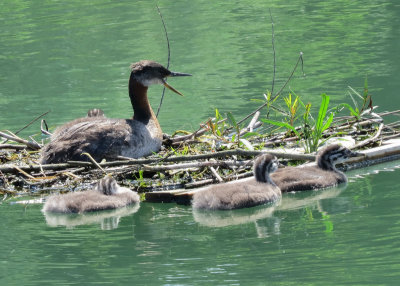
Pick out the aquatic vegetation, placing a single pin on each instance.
(314, 134)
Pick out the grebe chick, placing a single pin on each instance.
(105, 138)
(323, 175)
(95, 112)
(106, 195)
(237, 195)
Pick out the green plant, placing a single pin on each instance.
(281, 124)
(270, 101)
(292, 106)
(140, 179)
(220, 125)
(291, 116)
(366, 101)
(180, 152)
(323, 122)
(235, 126)
(312, 130)
(217, 126)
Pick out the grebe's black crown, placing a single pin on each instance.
(150, 72)
(107, 186)
(334, 154)
(263, 166)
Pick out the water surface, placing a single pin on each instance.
(346, 235)
(68, 57)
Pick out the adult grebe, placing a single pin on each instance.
(321, 176)
(103, 137)
(237, 195)
(106, 195)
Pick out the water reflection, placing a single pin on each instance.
(107, 219)
(221, 218)
(263, 216)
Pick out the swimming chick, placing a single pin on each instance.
(323, 175)
(237, 195)
(106, 195)
(108, 138)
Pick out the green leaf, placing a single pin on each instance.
(355, 92)
(354, 101)
(231, 119)
(217, 114)
(352, 111)
(249, 134)
(328, 123)
(322, 111)
(281, 124)
(247, 144)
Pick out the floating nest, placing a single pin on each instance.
(216, 152)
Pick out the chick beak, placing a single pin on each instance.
(356, 154)
(280, 165)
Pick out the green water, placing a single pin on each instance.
(348, 235)
(70, 56)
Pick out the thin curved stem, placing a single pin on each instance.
(169, 57)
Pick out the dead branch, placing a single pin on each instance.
(94, 162)
(201, 183)
(44, 128)
(12, 146)
(216, 175)
(369, 140)
(193, 165)
(31, 145)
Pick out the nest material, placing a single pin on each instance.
(189, 161)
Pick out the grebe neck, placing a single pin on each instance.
(142, 110)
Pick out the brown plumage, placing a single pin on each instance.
(109, 138)
(106, 195)
(237, 195)
(323, 175)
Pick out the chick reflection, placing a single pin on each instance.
(263, 216)
(231, 217)
(106, 219)
(106, 195)
(105, 204)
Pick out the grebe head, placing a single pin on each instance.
(149, 72)
(264, 165)
(95, 112)
(334, 154)
(107, 186)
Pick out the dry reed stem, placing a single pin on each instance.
(215, 174)
(15, 138)
(369, 140)
(94, 161)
